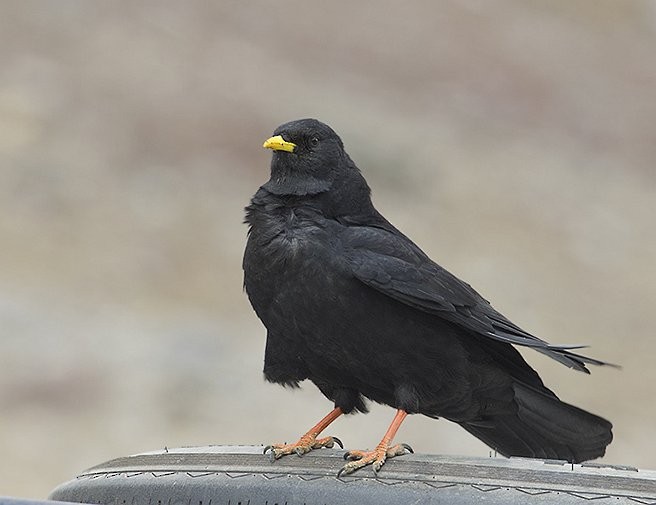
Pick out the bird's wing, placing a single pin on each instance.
(386, 260)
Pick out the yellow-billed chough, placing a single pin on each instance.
(353, 305)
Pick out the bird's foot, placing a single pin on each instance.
(304, 445)
(375, 458)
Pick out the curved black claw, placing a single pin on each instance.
(272, 453)
(341, 470)
(338, 442)
(408, 448)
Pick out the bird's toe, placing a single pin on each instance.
(376, 458)
(399, 450)
(304, 445)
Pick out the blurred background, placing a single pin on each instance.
(513, 140)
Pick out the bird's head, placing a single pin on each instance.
(308, 156)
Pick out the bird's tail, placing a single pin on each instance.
(542, 426)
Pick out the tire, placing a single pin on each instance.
(9, 500)
(242, 475)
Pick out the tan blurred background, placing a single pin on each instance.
(513, 140)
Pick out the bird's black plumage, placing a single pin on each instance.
(353, 305)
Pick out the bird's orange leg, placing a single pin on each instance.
(377, 457)
(308, 441)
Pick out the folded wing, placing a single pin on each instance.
(392, 264)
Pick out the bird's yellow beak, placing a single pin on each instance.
(277, 143)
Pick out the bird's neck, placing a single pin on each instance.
(286, 185)
(332, 204)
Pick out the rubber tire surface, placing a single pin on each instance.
(242, 475)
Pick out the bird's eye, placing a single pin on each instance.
(314, 141)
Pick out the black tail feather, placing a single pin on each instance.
(544, 427)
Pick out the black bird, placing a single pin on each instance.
(353, 305)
